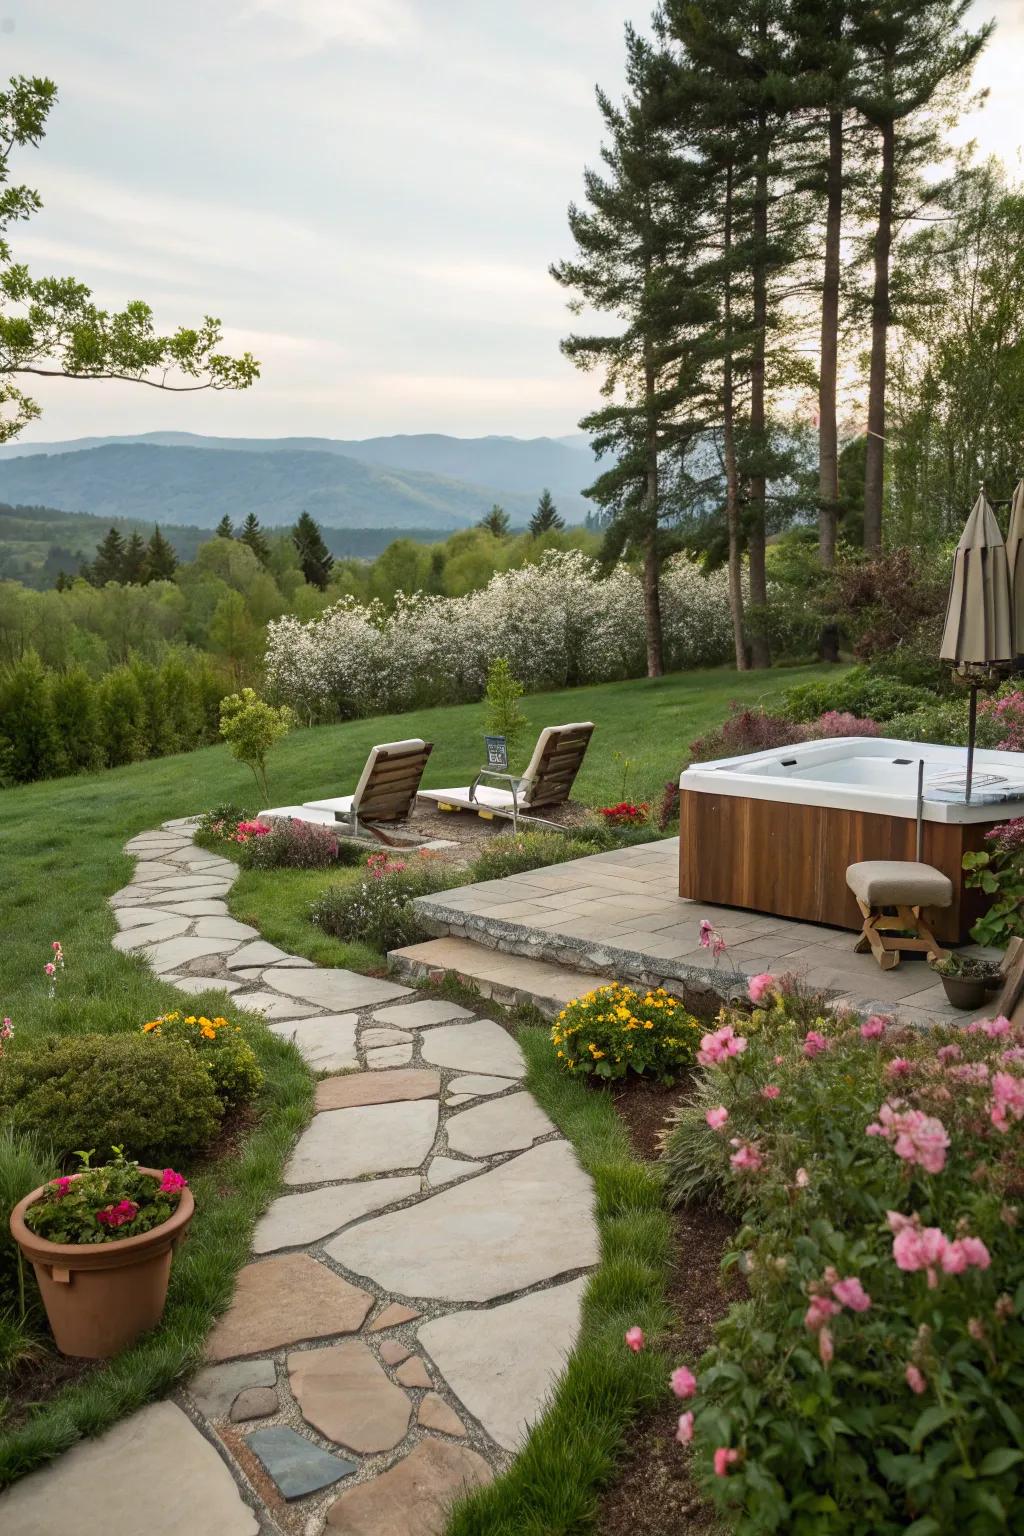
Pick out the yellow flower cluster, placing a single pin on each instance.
(207, 1028)
(620, 1018)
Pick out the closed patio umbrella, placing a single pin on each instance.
(1015, 562)
(978, 637)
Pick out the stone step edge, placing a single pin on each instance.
(417, 965)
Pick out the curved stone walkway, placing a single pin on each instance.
(413, 1293)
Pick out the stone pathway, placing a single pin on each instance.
(413, 1292)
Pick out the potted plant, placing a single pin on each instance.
(966, 979)
(100, 1242)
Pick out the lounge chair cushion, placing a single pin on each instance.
(555, 763)
(897, 882)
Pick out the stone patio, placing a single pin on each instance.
(617, 916)
(371, 1364)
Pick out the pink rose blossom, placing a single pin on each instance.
(50, 968)
(635, 1339)
(770, 1091)
(778, 1060)
(898, 1067)
(915, 1381)
(872, 1028)
(684, 1429)
(725, 1457)
(915, 1136)
(1007, 1099)
(993, 1028)
(948, 1053)
(746, 1158)
(852, 1294)
(719, 1046)
(978, 1256)
(683, 1382)
(1014, 1053)
(716, 1118)
(819, 1312)
(758, 987)
(815, 1043)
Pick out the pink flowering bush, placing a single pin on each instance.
(998, 870)
(103, 1205)
(872, 1381)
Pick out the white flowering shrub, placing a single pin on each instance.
(558, 623)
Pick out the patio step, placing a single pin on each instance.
(509, 979)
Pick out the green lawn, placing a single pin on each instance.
(60, 847)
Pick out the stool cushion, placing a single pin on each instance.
(894, 882)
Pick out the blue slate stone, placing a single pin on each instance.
(295, 1463)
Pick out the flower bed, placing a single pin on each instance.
(872, 1381)
(615, 1030)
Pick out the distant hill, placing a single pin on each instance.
(37, 543)
(424, 480)
(198, 486)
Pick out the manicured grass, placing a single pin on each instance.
(553, 1486)
(276, 901)
(60, 851)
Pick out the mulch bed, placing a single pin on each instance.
(654, 1493)
(37, 1379)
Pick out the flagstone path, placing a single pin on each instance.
(413, 1292)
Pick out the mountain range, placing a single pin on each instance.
(424, 481)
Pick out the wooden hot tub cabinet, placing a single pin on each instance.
(791, 860)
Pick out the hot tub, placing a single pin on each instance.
(775, 831)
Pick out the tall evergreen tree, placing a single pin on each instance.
(315, 558)
(547, 517)
(133, 566)
(225, 528)
(108, 562)
(252, 535)
(161, 561)
(636, 243)
(911, 55)
(496, 521)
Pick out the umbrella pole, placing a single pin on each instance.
(972, 731)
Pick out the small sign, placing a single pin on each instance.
(497, 752)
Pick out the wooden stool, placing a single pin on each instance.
(891, 894)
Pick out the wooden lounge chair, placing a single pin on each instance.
(549, 777)
(386, 790)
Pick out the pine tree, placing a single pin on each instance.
(161, 561)
(315, 558)
(496, 521)
(28, 728)
(546, 519)
(253, 535)
(108, 562)
(911, 53)
(122, 717)
(133, 567)
(225, 528)
(636, 245)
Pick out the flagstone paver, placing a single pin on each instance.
(154, 1473)
(501, 1125)
(327, 1044)
(294, 1221)
(481, 1046)
(482, 1358)
(530, 1219)
(405, 1240)
(348, 1397)
(360, 1088)
(284, 1301)
(413, 1495)
(371, 1138)
(296, 1464)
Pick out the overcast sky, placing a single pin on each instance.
(367, 192)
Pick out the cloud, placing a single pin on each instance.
(306, 26)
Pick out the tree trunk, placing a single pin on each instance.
(828, 432)
(828, 429)
(759, 649)
(733, 521)
(874, 465)
(652, 554)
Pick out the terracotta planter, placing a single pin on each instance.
(100, 1296)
